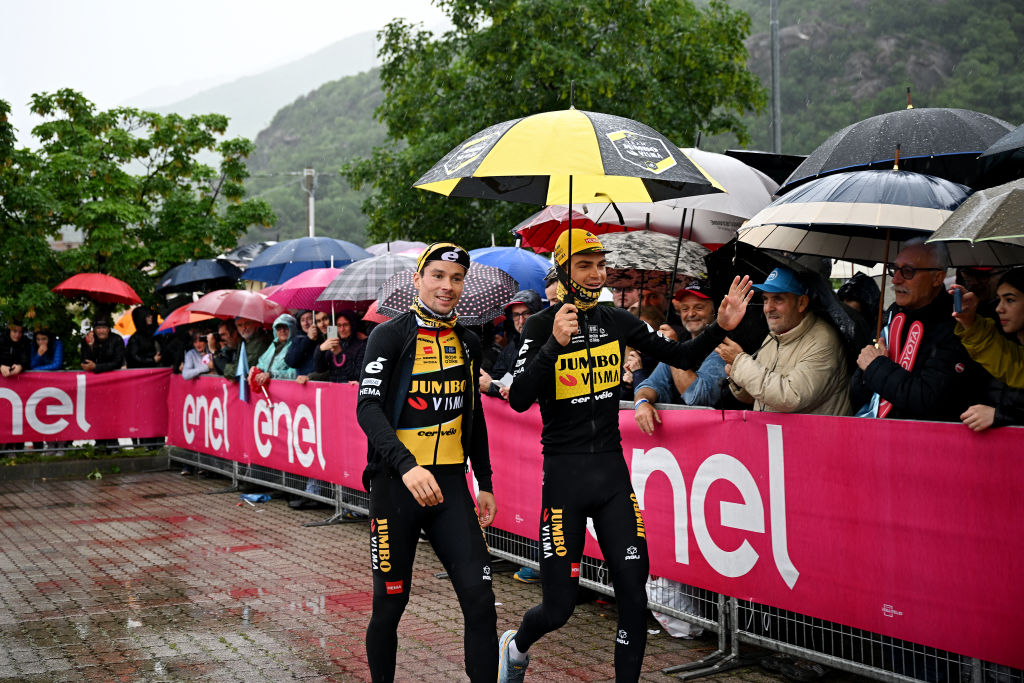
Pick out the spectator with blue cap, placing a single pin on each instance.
(800, 367)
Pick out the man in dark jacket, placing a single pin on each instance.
(15, 351)
(142, 350)
(571, 364)
(524, 304)
(920, 370)
(102, 350)
(419, 404)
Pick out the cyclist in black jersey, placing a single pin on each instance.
(571, 363)
(419, 405)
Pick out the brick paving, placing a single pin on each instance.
(144, 577)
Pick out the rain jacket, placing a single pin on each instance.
(15, 353)
(1003, 358)
(254, 348)
(108, 355)
(142, 345)
(939, 386)
(302, 352)
(799, 371)
(272, 360)
(577, 385)
(53, 359)
(384, 387)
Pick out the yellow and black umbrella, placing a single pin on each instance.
(561, 157)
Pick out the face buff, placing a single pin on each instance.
(430, 319)
(583, 298)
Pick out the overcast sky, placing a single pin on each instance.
(120, 51)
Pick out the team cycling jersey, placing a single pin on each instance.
(577, 385)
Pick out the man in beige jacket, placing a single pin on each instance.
(801, 367)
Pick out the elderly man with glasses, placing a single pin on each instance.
(919, 369)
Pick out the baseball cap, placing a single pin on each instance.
(698, 288)
(583, 242)
(782, 280)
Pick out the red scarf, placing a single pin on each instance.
(906, 356)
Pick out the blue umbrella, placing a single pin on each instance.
(526, 267)
(287, 259)
(203, 274)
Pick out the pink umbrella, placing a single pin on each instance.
(239, 303)
(182, 315)
(301, 291)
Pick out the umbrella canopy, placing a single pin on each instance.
(483, 299)
(527, 268)
(541, 230)
(362, 280)
(372, 315)
(182, 315)
(301, 291)
(987, 229)
(239, 303)
(709, 219)
(243, 255)
(193, 276)
(395, 247)
(854, 215)
(939, 142)
(99, 287)
(537, 158)
(646, 259)
(287, 259)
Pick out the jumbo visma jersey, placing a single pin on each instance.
(430, 425)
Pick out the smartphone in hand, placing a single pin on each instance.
(332, 331)
(958, 297)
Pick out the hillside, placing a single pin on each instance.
(841, 62)
(251, 102)
(323, 129)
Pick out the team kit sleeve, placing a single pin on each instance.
(479, 449)
(535, 366)
(381, 360)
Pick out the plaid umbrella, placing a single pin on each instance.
(487, 291)
(362, 280)
(396, 247)
(645, 259)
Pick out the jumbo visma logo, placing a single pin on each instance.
(574, 371)
(380, 546)
(552, 538)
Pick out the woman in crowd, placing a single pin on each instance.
(341, 357)
(271, 364)
(302, 352)
(197, 359)
(1002, 355)
(47, 352)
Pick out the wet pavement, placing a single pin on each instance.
(144, 577)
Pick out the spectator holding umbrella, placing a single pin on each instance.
(302, 352)
(47, 352)
(340, 358)
(271, 364)
(255, 340)
(142, 350)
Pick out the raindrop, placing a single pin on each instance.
(245, 615)
(159, 668)
(83, 630)
(134, 624)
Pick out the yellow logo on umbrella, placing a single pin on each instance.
(642, 150)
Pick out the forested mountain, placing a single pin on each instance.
(841, 62)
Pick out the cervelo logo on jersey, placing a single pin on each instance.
(575, 370)
(436, 444)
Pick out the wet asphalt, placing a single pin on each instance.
(145, 577)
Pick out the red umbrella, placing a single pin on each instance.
(374, 316)
(239, 303)
(98, 287)
(183, 315)
(541, 230)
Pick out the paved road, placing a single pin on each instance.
(143, 577)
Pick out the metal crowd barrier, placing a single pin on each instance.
(736, 622)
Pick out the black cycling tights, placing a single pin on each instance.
(454, 532)
(595, 486)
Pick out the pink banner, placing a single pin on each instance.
(908, 529)
(70, 406)
(308, 430)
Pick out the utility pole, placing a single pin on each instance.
(776, 94)
(309, 184)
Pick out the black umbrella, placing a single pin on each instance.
(244, 254)
(939, 142)
(202, 275)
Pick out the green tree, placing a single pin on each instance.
(127, 180)
(666, 63)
